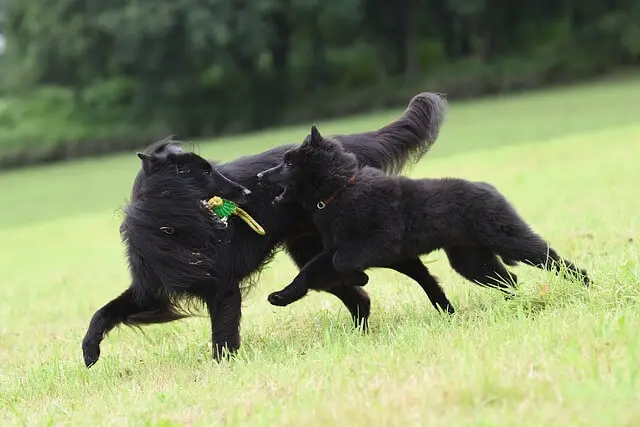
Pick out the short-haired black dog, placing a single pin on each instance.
(178, 253)
(367, 219)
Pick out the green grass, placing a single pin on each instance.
(568, 159)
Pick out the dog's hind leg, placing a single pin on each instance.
(123, 309)
(481, 266)
(415, 269)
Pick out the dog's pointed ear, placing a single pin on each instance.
(149, 163)
(315, 134)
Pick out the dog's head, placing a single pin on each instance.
(312, 170)
(170, 233)
(195, 171)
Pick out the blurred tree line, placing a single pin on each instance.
(205, 67)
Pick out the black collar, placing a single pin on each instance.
(323, 203)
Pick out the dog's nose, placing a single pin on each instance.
(246, 191)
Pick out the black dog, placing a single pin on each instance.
(367, 219)
(179, 254)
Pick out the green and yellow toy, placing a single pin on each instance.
(225, 208)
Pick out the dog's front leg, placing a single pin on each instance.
(225, 311)
(318, 270)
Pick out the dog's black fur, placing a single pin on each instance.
(179, 253)
(367, 219)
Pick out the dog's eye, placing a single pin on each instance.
(184, 170)
(206, 173)
(288, 163)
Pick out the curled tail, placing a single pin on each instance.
(402, 141)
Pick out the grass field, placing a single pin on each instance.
(568, 159)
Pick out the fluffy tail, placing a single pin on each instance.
(403, 141)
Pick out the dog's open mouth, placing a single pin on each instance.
(220, 222)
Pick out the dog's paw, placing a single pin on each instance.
(448, 309)
(362, 325)
(90, 352)
(277, 299)
(223, 354)
(586, 281)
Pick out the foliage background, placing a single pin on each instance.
(82, 77)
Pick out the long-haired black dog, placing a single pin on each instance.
(178, 253)
(368, 220)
